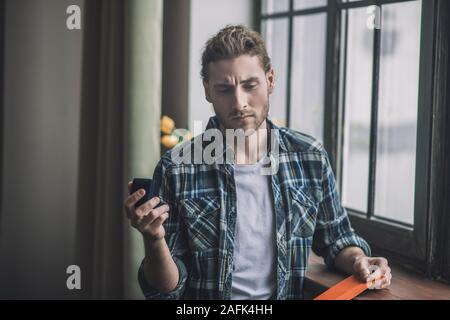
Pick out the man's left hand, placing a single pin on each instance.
(375, 271)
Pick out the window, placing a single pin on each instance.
(356, 75)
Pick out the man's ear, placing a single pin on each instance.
(270, 77)
(206, 87)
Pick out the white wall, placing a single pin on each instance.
(207, 18)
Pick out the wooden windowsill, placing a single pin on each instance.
(405, 285)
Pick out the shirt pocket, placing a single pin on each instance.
(302, 214)
(202, 218)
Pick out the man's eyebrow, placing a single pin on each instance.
(227, 84)
(252, 79)
(224, 84)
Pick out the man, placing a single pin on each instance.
(226, 231)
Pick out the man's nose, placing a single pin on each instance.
(239, 100)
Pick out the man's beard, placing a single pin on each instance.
(228, 123)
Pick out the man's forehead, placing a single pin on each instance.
(241, 69)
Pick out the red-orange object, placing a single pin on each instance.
(347, 289)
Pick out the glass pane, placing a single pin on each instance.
(397, 115)
(307, 4)
(275, 32)
(274, 6)
(308, 74)
(358, 101)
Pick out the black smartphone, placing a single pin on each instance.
(148, 186)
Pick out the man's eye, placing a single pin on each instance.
(251, 87)
(224, 90)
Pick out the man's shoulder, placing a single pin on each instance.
(182, 154)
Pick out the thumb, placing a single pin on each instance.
(362, 268)
(129, 186)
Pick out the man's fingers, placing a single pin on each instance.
(149, 220)
(130, 183)
(381, 262)
(375, 284)
(135, 197)
(160, 220)
(387, 282)
(380, 283)
(146, 207)
(379, 267)
(375, 274)
(147, 215)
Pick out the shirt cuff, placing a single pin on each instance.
(342, 243)
(152, 294)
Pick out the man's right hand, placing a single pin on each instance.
(146, 219)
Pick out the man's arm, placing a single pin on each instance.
(160, 269)
(333, 232)
(163, 271)
(336, 241)
(346, 259)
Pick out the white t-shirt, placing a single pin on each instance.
(254, 270)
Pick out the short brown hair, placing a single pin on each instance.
(232, 42)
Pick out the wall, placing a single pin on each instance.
(207, 17)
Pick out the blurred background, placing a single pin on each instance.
(81, 110)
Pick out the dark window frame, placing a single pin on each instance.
(2, 61)
(423, 246)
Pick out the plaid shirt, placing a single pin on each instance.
(200, 230)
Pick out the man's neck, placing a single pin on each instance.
(254, 148)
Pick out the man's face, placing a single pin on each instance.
(239, 90)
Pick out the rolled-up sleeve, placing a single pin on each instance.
(175, 236)
(152, 294)
(333, 230)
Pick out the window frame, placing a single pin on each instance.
(405, 244)
(2, 61)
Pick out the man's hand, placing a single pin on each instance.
(146, 219)
(160, 270)
(375, 271)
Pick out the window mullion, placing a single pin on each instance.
(342, 93)
(331, 101)
(374, 121)
(289, 62)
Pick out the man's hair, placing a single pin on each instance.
(232, 42)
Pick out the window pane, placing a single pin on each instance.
(274, 6)
(308, 74)
(397, 115)
(275, 32)
(307, 4)
(357, 108)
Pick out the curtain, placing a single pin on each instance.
(143, 65)
(119, 138)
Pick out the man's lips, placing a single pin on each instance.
(241, 117)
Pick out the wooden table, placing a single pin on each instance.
(405, 285)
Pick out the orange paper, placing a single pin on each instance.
(347, 289)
